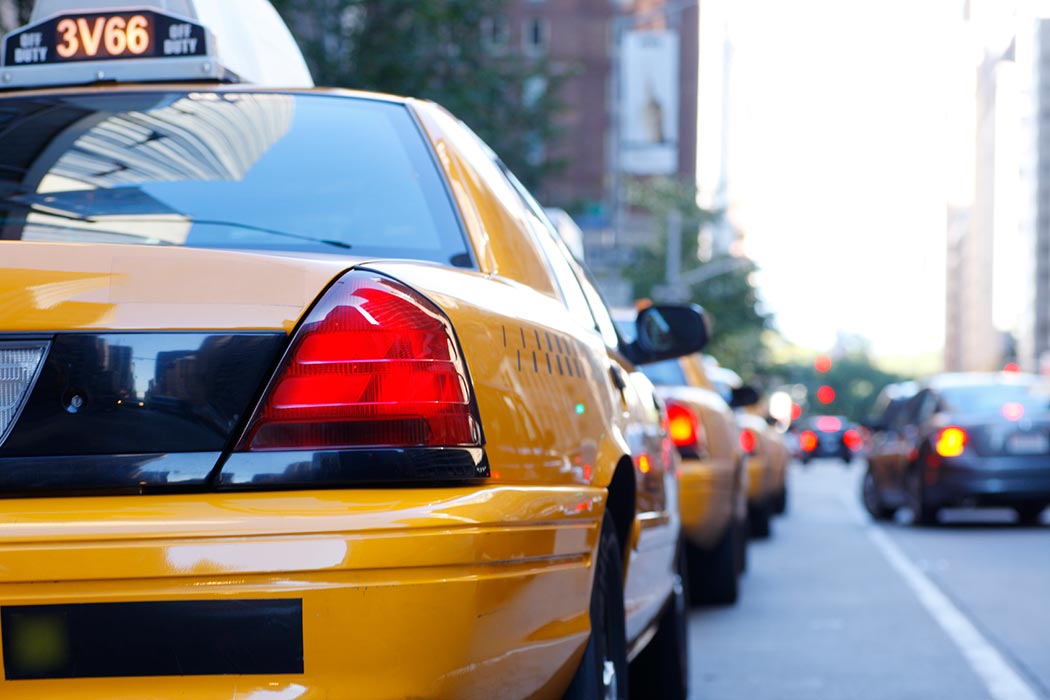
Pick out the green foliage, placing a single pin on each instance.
(729, 298)
(434, 49)
(855, 379)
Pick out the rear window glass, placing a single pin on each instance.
(666, 373)
(264, 171)
(990, 398)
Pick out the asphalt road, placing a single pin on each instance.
(835, 607)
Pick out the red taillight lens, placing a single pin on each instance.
(808, 441)
(951, 442)
(375, 364)
(852, 439)
(748, 440)
(683, 426)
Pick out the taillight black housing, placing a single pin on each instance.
(373, 387)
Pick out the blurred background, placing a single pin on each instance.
(865, 182)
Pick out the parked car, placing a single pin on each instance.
(300, 384)
(978, 439)
(712, 487)
(766, 467)
(888, 454)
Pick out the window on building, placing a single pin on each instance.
(495, 34)
(536, 36)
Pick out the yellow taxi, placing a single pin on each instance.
(712, 492)
(766, 468)
(301, 396)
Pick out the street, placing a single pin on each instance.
(836, 607)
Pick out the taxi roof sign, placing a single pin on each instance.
(71, 42)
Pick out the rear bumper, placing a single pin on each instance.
(465, 593)
(705, 497)
(986, 481)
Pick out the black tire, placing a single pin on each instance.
(606, 651)
(758, 521)
(662, 669)
(742, 537)
(713, 574)
(923, 512)
(1029, 514)
(780, 502)
(873, 501)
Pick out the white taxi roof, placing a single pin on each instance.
(243, 41)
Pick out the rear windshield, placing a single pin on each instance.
(269, 171)
(665, 373)
(991, 398)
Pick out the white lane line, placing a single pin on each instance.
(998, 676)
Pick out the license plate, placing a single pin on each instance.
(102, 36)
(1028, 443)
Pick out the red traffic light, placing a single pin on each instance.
(825, 394)
(822, 363)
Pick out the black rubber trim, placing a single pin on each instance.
(352, 467)
(136, 473)
(163, 638)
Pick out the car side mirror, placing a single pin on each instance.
(667, 331)
(744, 396)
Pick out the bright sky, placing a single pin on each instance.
(845, 142)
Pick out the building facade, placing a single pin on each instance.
(579, 39)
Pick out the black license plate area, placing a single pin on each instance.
(162, 638)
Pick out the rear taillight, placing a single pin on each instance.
(374, 364)
(852, 439)
(808, 441)
(684, 427)
(748, 440)
(951, 442)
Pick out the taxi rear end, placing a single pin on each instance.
(986, 443)
(711, 481)
(241, 455)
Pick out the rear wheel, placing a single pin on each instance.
(741, 537)
(758, 517)
(662, 669)
(1030, 514)
(872, 499)
(780, 502)
(602, 674)
(923, 512)
(713, 574)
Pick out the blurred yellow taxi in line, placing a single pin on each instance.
(301, 396)
(766, 458)
(713, 483)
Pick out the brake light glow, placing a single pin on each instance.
(375, 364)
(829, 424)
(748, 440)
(683, 425)
(1013, 411)
(852, 439)
(951, 442)
(808, 441)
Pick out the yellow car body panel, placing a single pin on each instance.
(712, 485)
(83, 287)
(477, 591)
(488, 580)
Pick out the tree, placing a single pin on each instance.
(729, 298)
(855, 379)
(436, 49)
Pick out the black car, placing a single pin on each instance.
(828, 436)
(972, 439)
(888, 450)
